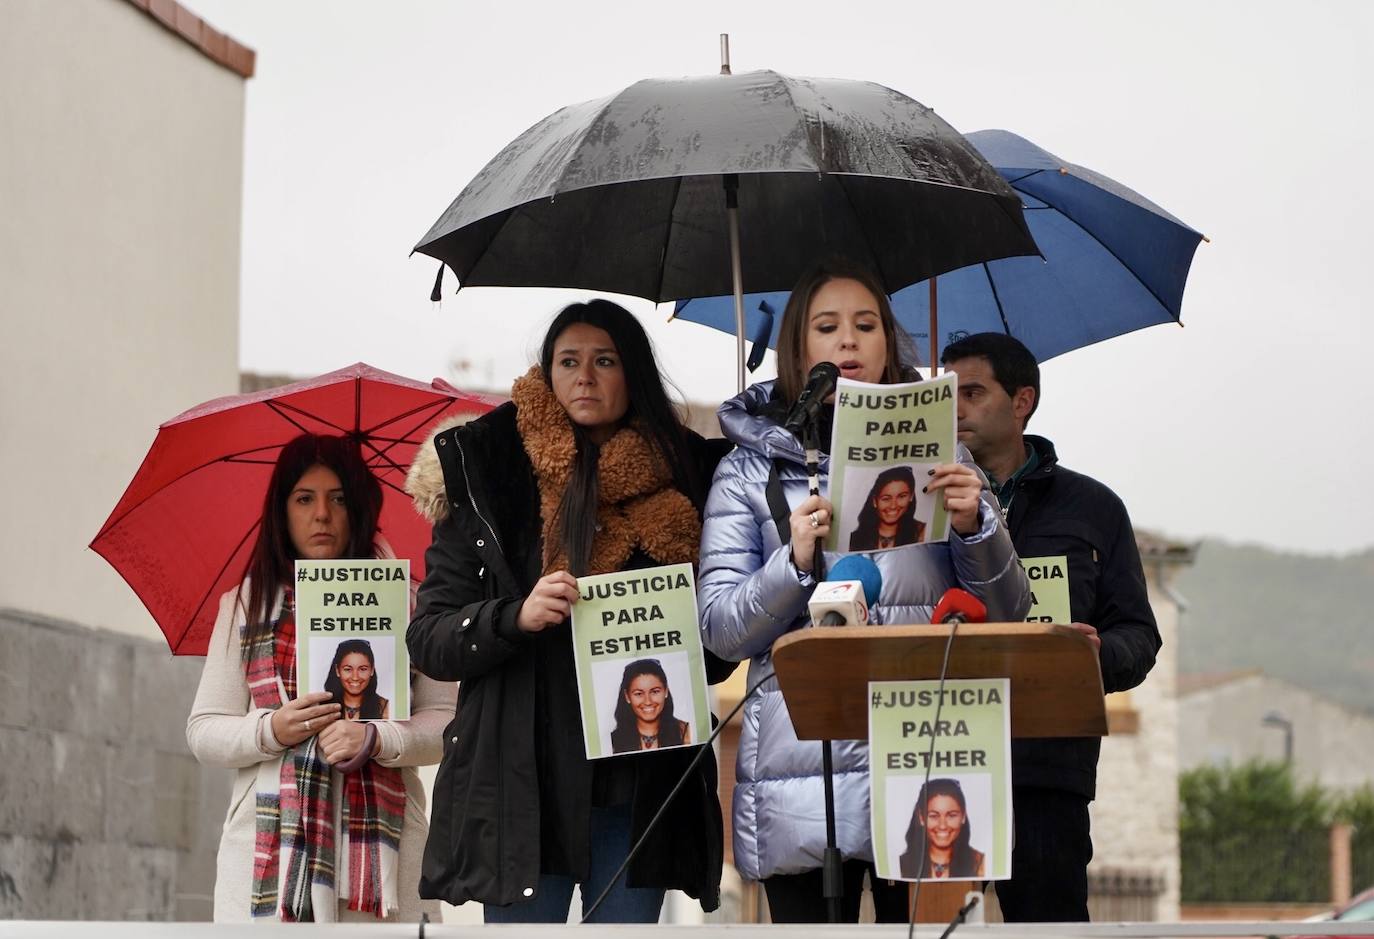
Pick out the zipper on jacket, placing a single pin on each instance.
(501, 756)
(467, 482)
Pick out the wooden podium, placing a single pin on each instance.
(1056, 686)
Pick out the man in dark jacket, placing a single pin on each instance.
(1054, 513)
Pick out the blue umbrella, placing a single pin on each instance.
(1113, 262)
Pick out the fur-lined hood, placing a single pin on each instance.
(425, 480)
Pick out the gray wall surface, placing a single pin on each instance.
(104, 813)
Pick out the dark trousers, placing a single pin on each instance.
(796, 898)
(1049, 862)
(610, 842)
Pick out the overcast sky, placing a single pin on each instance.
(1248, 120)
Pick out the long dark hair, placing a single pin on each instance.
(792, 333)
(371, 708)
(273, 559)
(625, 737)
(650, 411)
(865, 536)
(963, 860)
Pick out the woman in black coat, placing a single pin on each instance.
(587, 470)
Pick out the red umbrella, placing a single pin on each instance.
(182, 532)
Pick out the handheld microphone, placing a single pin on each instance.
(820, 383)
(959, 606)
(842, 598)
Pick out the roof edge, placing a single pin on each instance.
(218, 47)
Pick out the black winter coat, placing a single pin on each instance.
(1055, 511)
(489, 822)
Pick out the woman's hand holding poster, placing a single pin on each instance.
(885, 441)
(351, 618)
(941, 785)
(641, 673)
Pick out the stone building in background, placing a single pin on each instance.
(121, 181)
(1233, 717)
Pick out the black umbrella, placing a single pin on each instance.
(631, 193)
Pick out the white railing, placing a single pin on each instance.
(131, 930)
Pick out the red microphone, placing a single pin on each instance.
(959, 606)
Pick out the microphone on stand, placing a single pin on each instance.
(956, 606)
(820, 384)
(843, 598)
(840, 600)
(959, 606)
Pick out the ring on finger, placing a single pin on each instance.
(815, 520)
(307, 723)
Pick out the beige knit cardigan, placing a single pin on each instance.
(225, 729)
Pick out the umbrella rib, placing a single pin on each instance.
(882, 278)
(433, 410)
(393, 486)
(667, 237)
(486, 248)
(278, 408)
(1176, 317)
(582, 137)
(223, 567)
(1013, 182)
(112, 523)
(437, 405)
(996, 297)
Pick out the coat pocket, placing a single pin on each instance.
(242, 798)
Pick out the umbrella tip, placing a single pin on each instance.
(725, 53)
(1206, 239)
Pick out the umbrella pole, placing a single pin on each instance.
(732, 215)
(934, 329)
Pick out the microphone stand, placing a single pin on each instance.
(832, 867)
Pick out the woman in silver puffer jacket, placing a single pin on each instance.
(754, 589)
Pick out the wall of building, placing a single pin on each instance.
(104, 812)
(1224, 724)
(121, 179)
(1135, 816)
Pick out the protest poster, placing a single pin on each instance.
(351, 619)
(641, 673)
(885, 442)
(1049, 582)
(951, 819)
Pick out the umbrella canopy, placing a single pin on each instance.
(628, 193)
(182, 533)
(1113, 262)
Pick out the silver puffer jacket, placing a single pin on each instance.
(749, 595)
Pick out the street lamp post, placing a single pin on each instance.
(1275, 719)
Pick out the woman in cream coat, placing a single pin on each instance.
(322, 503)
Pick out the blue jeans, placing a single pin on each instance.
(610, 843)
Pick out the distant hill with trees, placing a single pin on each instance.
(1301, 617)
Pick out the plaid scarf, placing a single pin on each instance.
(296, 815)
